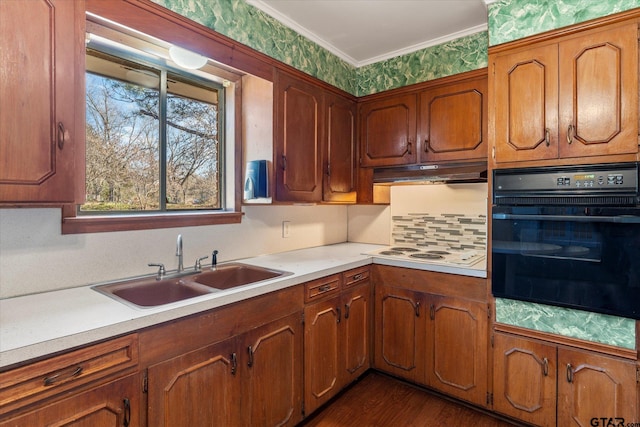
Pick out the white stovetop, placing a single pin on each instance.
(37, 325)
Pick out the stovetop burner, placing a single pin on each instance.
(426, 255)
(391, 252)
(439, 252)
(435, 254)
(404, 249)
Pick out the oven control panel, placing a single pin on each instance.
(590, 178)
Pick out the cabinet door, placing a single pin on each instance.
(274, 374)
(400, 328)
(526, 105)
(340, 173)
(42, 47)
(299, 111)
(595, 386)
(524, 379)
(179, 388)
(599, 93)
(356, 335)
(457, 348)
(388, 131)
(111, 405)
(321, 352)
(453, 122)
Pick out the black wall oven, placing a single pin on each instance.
(568, 236)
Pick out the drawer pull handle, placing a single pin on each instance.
(61, 135)
(570, 131)
(432, 312)
(53, 379)
(324, 288)
(418, 309)
(347, 307)
(339, 314)
(357, 276)
(547, 136)
(545, 367)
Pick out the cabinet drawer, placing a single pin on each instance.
(355, 276)
(316, 289)
(36, 381)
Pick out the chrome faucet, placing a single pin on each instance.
(179, 253)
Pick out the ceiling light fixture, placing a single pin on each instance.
(187, 59)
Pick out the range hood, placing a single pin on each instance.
(448, 173)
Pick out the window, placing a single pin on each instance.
(154, 136)
(160, 148)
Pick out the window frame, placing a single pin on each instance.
(72, 223)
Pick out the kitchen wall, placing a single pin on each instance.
(36, 257)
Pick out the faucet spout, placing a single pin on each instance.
(179, 253)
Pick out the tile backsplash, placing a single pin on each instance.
(445, 230)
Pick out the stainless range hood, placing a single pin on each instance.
(448, 173)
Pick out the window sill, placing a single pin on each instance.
(97, 224)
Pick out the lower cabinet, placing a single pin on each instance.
(547, 385)
(114, 404)
(250, 379)
(337, 338)
(438, 341)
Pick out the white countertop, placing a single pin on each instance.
(36, 325)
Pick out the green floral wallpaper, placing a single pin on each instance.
(454, 57)
(508, 20)
(234, 18)
(250, 26)
(515, 19)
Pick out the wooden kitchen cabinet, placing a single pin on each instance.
(388, 129)
(546, 384)
(92, 386)
(314, 144)
(568, 98)
(591, 385)
(41, 101)
(337, 338)
(252, 379)
(178, 387)
(452, 122)
(524, 379)
(457, 348)
(400, 331)
(115, 404)
(339, 178)
(431, 328)
(299, 137)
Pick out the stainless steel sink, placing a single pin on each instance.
(149, 292)
(231, 275)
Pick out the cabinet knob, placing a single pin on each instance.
(417, 308)
(426, 145)
(127, 412)
(545, 367)
(409, 144)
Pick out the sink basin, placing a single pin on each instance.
(231, 275)
(150, 292)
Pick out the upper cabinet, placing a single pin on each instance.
(41, 101)
(388, 131)
(571, 98)
(339, 182)
(438, 121)
(314, 148)
(453, 122)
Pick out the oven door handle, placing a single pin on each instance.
(621, 219)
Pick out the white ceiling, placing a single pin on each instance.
(362, 32)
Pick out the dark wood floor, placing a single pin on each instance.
(379, 400)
